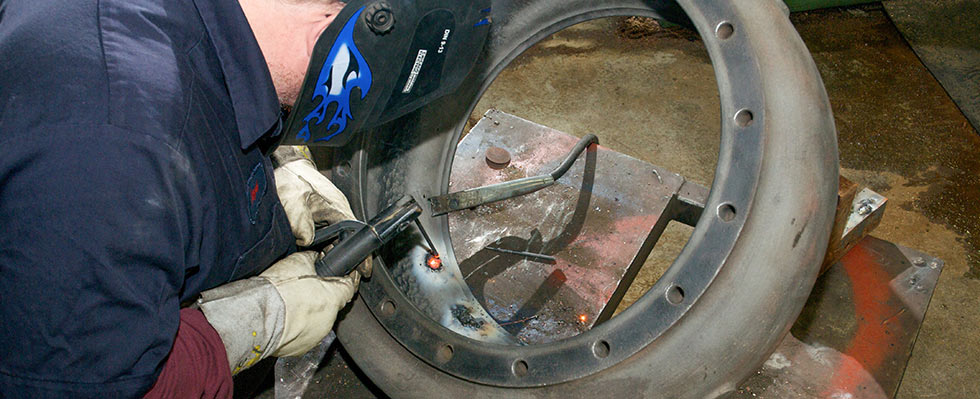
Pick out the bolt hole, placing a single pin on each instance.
(387, 308)
(675, 295)
(343, 170)
(726, 212)
(724, 30)
(744, 118)
(520, 368)
(600, 349)
(444, 354)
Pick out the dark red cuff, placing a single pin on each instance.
(197, 366)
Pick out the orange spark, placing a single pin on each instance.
(434, 262)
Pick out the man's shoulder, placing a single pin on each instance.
(117, 61)
(148, 68)
(52, 67)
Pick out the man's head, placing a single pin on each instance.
(286, 31)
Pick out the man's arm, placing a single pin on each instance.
(94, 250)
(283, 311)
(197, 366)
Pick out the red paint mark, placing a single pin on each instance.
(869, 282)
(255, 190)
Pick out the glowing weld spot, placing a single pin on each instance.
(433, 262)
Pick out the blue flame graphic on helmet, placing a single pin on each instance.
(343, 70)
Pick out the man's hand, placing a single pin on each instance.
(285, 311)
(309, 198)
(312, 302)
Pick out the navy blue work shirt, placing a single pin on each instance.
(130, 181)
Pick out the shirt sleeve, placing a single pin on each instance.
(197, 366)
(98, 231)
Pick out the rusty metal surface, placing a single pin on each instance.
(846, 190)
(594, 223)
(856, 333)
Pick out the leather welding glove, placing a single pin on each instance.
(285, 311)
(309, 198)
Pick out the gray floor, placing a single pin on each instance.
(651, 94)
(944, 36)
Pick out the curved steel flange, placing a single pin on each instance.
(434, 315)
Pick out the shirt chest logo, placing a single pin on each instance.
(255, 190)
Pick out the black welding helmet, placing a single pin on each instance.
(379, 60)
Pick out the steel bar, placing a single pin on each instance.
(546, 258)
(472, 198)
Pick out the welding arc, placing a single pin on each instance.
(474, 197)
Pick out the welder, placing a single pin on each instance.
(148, 232)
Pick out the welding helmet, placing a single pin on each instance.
(379, 60)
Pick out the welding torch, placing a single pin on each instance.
(354, 240)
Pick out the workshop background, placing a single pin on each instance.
(903, 77)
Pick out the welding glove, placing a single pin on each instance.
(309, 198)
(285, 311)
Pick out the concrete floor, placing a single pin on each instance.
(651, 94)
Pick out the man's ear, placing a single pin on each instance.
(332, 10)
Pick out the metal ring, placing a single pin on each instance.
(436, 310)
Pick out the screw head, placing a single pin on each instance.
(497, 158)
(379, 17)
